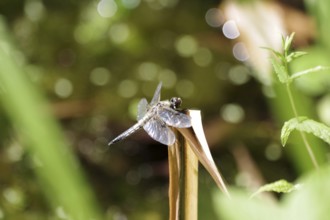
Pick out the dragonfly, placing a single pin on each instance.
(156, 119)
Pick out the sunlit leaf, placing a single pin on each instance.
(242, 207)
(276, 53)
(311, 202)
(280, 186)
(280, 71)
(307, 71)
(283, 40)
(294, 55)
(306, 125)
(288, 42)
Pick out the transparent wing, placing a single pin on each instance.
(159, 131)
(156, 97)
(174, 118)
(142, 109)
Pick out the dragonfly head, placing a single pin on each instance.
(175, 102)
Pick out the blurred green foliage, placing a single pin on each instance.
(57, 169)
(301, 204)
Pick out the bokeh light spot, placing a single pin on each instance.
(100, 76)
(239, 75)
(240, 52)
(15, 152)
(323, 107)
(232, 113)
(80, 36)
(61, 213)
(214, 17)
(273, 151)
(186, 46)
(133, 177)
(203, 57)
(185, 88)
(243, 179)
(84, 145)
(132, 108)
(34, 10)
(168, 3)
(168, 78)
(119, 33)
(127, 88)
(13, 196)
(230, 29)
(130, 4)
(63, 88)
(98, 123)
(107, 8)
(268, 91)
(148, 71)
(161, 4)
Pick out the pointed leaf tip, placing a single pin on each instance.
(288, 42)
(280, 186)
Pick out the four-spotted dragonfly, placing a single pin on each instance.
(156, 117)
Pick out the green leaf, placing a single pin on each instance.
(288, 42)
(307, 71)
(276, 53)
(283, 40)
(312, 202)
(306, 125)
(280, 186)
(280, 71)
(295, 55)
(240, 206)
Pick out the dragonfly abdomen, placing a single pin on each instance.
(131, 130)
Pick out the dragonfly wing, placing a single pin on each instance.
(156, 97)
(142, 109)
(159, 131)
(174, 118)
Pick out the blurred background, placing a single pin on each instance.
(92, 61)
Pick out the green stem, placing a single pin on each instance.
(293, 106)
(302, 134)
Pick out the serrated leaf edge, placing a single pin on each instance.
(318, 129)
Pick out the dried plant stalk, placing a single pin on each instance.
(174, 179)
(196, 138)
(191, 146)
(183, 180)
(189, 183)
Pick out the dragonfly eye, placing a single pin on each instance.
(175, 102)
